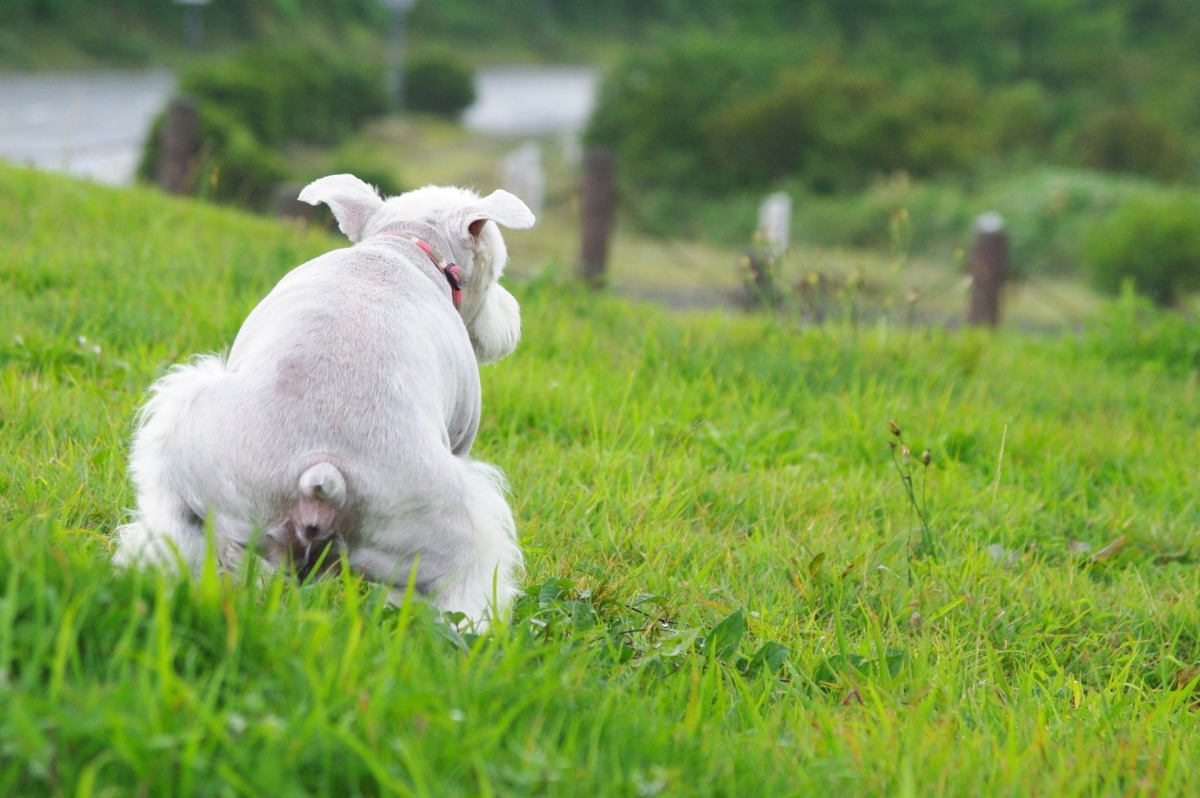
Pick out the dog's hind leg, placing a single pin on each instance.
(481, 581)
(165, 530)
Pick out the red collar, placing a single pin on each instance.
(452, 273)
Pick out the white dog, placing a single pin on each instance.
(340, 423)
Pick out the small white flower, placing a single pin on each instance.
(235, 723)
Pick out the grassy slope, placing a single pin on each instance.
(716, 463)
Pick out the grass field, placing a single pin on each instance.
(737, 582)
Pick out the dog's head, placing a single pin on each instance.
(460, 217)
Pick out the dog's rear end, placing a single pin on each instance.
(342, 358)
(309, 540)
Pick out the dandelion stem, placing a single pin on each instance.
(918, 507)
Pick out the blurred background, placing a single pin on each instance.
(837, 159)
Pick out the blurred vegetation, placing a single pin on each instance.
(1153, 244)
(894, 124)
(261, 103)
(703, 112)
(287, 93)
(255, 104)
(1052, 112)
(140, 32)
(438, 82)
(234, 166)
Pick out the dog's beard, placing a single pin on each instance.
(496, 328)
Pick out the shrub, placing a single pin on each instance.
(259, 101)
(839, 126)
(438, 83)
(356, 95)
(1020, 117)
(719, 115)
(1153, 242)
(366, 163)
(255, 99)
(809, 123)
(657, 110)
(1049, 213)
(291, 94)
(233, 165)
(1133, 332)
(1129, 140)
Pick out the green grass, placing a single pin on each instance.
(728, 588)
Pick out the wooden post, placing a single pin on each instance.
(597, 205)
(989, 270)
(179, 148)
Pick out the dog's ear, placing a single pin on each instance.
(501, 208)
(352, 201)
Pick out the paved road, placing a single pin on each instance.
(93, 124)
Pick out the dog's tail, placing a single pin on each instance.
(310, 537)
(324, 483)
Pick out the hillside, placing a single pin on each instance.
(739, 580)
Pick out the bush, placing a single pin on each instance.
(1153, 242)
(838, 126)
(287, 94)
(1128, 140)
(810, 123)
(1021, 117)
(1049, 213)
(263, 99)
(1133, 332)
(438, 83)
(233, 165)
(366, 163)
(657, 110)
(716, 116)
(255, 100)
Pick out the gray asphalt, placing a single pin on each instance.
(94, 124)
